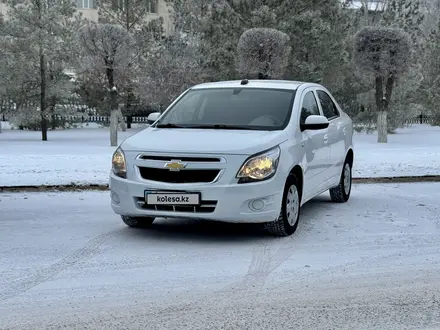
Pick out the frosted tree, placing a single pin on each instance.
(19, 81)
(316, 30)
(169, 67)
(263, 52)
(405, 14)
(430, 88)
(188, 15)
(39, 39)
(139, 19)
(384, 52)
(129, 14)
(107, 54)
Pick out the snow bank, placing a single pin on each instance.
(5, 125)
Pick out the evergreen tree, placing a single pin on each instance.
(39, 36)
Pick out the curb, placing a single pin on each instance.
(105, 187)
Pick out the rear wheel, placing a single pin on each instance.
(287, 222)
(137, 222)
(341, 193)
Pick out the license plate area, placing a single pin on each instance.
(172, 198)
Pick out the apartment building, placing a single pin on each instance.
(155, 9)
(88, 9)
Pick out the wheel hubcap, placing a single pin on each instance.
(347, 179)
(292, 205)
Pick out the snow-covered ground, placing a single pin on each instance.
(5, 125)
(68, 262)
(83, 156)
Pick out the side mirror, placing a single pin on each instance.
(315, 122)
(152, 117)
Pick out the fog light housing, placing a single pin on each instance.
(115, 198)
(257, 204)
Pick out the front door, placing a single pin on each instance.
(315, 146)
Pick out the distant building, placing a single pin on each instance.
(156, 9)
(88, 9)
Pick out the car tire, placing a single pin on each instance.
(287, 222)
(137, 222)
(341, 193)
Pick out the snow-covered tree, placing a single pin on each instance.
(358, 91)
(129, 14)
(429, 91)
(169, 67)
(107, 54)
(263, 52)
(38, 40)
(188, 15)
(404, 14)
(135, 17)
(316, 30)
(383, 52)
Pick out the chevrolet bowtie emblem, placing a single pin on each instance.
(175, 165)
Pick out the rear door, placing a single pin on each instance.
(336, 136)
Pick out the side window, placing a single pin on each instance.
(328, 107)
(309, 107)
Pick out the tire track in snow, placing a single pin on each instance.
(381, 260)
(266, 257)
(43, 274)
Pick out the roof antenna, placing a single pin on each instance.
(244, 82)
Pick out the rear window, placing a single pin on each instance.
(247, 108)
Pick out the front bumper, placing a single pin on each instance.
(227, 203)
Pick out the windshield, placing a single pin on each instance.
(231, 108)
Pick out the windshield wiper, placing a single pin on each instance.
(221, 126)
(214, 126)
(169, 125)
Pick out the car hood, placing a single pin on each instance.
(208, 141)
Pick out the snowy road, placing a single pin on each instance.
(66, 261)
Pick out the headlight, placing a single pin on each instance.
(119, 166)
(260, 167)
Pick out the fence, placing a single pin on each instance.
(101, 119)
(93, 119)
(421, 119)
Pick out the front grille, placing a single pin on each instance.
(204, 207)
(183, 176)
(183, 159)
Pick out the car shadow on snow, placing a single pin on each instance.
(213, 231)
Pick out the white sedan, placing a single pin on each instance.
(249, 151)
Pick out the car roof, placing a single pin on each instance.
(260, 83)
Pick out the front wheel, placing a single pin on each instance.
(287, 222)
(341, 193)
(137, 222)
